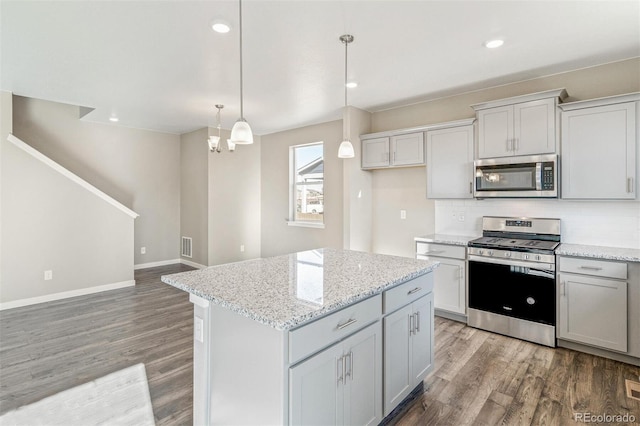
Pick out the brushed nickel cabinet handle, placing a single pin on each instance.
(470, 187)
(340, 369)
(433, 251)
(415, 290)
(417, 314)
(351, 365)
(563, 291)
(591, 268)
(630, 185)
(347, 324)
(410, 325)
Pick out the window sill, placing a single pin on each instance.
(305, 224)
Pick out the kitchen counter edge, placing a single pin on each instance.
(599, 252)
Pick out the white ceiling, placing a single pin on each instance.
(158, 65)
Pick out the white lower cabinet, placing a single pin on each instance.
(592, 305)
(340, 385)
(449, 278)
(408, 349)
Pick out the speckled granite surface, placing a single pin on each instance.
(286, 291)
(456, 240)
(599, 252)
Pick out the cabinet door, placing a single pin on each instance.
(422, 339)
(407, 149)
(375, 153)
(534, 130)
(593, 311)
(363, 375)
(449, 285)
(316, 396)
(397, 370)
(495, 132)
(599, 152)
(450, 163)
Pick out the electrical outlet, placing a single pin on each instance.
(241, 248)
(143, 250)
(48, 275)
(460, 217)
(403, 214)
(198, 329)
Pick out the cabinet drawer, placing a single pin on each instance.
(406, 293)
(440, 250)
(312, 337)
(598, 268)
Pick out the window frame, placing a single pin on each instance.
(293, 186)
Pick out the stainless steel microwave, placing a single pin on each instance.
(517, 177)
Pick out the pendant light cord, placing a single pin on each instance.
(241, 99)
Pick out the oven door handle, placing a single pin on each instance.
(539, 273)
(538, 267)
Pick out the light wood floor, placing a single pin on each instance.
(479, 379)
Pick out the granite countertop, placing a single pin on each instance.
(599, 252)
(286, 291)
(455, 240)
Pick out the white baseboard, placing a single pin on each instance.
(65, 295)
(192, 264)
(154, 264)
(168, 262)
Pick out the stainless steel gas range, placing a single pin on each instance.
(512, 283)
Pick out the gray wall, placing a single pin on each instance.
(194, 171)
(277, 236)
(234, 202)
(139, 168)
(49, 222)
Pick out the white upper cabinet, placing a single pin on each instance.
(599, 148)
(523, 125)
(450, 161)
(375, 153)
(389, 150)
(407, 150)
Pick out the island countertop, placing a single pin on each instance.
(289, 290)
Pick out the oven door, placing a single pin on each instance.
(512, 290)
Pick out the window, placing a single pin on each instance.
(306, 171)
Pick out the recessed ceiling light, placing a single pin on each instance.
(113, 119)
(220, 26)
(352, 84)
(492, 44)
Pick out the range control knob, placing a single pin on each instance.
(525, 257)
(480, 252)
(490, 252)
(507, 254)
(538, 257)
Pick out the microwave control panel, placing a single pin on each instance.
(547, 176)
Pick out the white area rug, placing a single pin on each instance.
(120, 398)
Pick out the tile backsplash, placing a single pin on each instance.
(602, 223)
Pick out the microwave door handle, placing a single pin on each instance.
(539, 176)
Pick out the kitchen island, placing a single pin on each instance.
(298, 338)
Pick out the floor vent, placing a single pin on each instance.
(186, 246)
(633, 389)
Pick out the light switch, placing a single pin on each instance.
(403, 214)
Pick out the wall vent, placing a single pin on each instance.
(633, 389)
(186, 246)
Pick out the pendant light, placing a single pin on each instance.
(214, 141)
(346, 148)
(241, 132)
